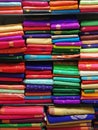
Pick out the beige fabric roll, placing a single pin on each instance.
(39, 41)
(70, 110)
(11, 27)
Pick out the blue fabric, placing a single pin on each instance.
(61, 119)
(37, 57)
(89, 77)
(56, 12)
(66, 40)
(37, 97)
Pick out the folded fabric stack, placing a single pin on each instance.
(66, 89)
(89, 75)
(64, 6)
(88, 5)
(95, 121)
(12, 67)
(89, 38)
(36, 6)
(12, 44)
(21, 117)
(65, 37)
(11, 73)
(38, 82)
(38, 39)
(70, 118)
(11, 7)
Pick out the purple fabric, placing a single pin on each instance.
(65, 97)
(36, 23)
(37, 35)
(10, 0)
(9, 38)
(62, 102)
(37, 88)
(68, 44)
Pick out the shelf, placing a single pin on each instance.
(49, 14)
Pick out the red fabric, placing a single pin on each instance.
(38, 53)
(42, 101)
(6, 79)
(38, 76)
(11, 12)
(21, 110)
(24, 128)
(12, 102)
(36, 28)
(12, 44)
(40, 46)
(39, 49)
(12, 68)
(89, 28)
(44, 72)
(14, 87)
(72, 128)
(11, 97)
(13, 50)
(89, 81)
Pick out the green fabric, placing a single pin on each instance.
(64, 53)
(89, 23)
(65, 94)
(11, 91)
(66, 67)
(66, 72)
(11, 58)
(21, 125)
(89, 90)
(71, 48)
(77, 80)
(67, 51)
(66, 90)
(65, 87)
(65, 32)
(66, 83)
(93, 2)
(37, 32)
(90, 50)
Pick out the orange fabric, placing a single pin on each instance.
(12, 33)
(11, 8)
(13, 50)
(63, 3)
(89, 94)
(38, 94)
(88, 7)
(36, 8)
(64, 7)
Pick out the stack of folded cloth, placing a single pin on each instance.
(21, 117)
(70, 118)
(95, 121)
(65, 37)
(88, 5)
(11, 7)
(89, 38)
(89, 76)
(12, 44)
(12, 73)
(64, 6)
(38, 82)
(36, 6)
(38, 39)
(66, 89)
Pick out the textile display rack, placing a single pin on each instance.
(48, 65)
